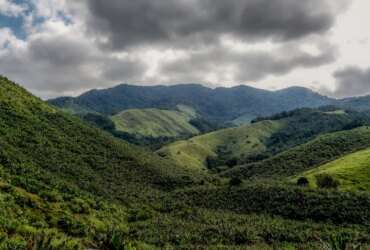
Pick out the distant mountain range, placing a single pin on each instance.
(220, 104)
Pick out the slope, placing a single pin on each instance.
(262, 139)
(310, 155)
(237, 142)
(156, 123)
(39, 137)
(352, 171)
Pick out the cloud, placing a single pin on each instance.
(11, 9)
(182, 23)
(225, 64)
(59, 60)
(352, 81)
(72, 46)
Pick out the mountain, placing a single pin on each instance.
(220, 104)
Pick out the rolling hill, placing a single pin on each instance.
(262, 139)
(156, 122)
(66, 185)
(220, 104)
(236, 142)
(310, 155)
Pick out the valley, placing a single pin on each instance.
(70, 178)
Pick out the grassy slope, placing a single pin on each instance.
(352, 171)
(155, 122)
(241, 141)
(56, 172)
(321, 150)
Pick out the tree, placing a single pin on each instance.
(303, 181)
(235, 181)
(326, 181)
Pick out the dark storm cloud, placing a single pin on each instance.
(176, 23)
(352, 81)
(245, 66)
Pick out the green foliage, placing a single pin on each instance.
(326, 181)
(303, 181)
(67, 185)
(235, 182)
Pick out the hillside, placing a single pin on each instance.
(66, 185)
(294, 161)
(352, 171)
(220, 104)
(235, 142)
(156, 123)
(56, 172)
(262, 139)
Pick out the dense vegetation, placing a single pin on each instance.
(65, 184)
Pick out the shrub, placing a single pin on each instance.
(326, 181)
(303, 181)
(235, 182)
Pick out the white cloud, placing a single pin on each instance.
(9, 8)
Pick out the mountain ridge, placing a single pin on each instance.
(221, 103)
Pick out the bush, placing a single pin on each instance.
(326, 181)
(235, 182)
(303, 181)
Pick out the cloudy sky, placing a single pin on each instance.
(65, 47)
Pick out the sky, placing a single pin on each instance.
(65, 47)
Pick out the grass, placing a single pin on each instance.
(156, 123)
(352, 171)
(240, 142)
(323, 149)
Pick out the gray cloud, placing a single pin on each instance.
(56, 65)
(220, 62)
(179, 23)
(352, 81)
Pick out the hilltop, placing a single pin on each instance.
(219, 104)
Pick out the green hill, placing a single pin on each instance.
(57, 174)
(312, 154)
(235, 142)
(352, 171)
(156, 123)
(262, 139)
